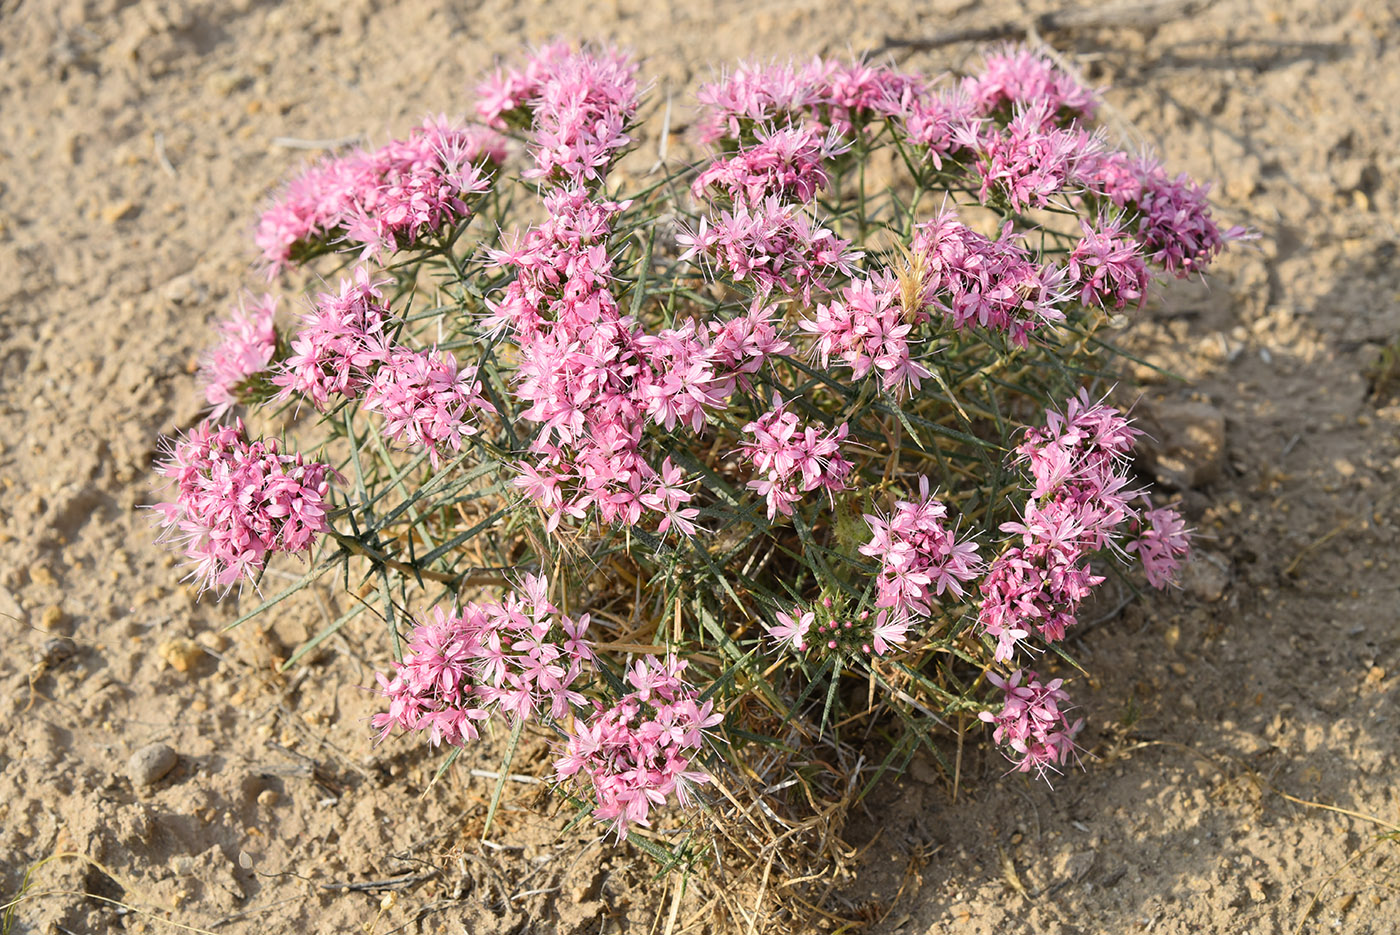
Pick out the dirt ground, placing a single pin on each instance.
(138, 141)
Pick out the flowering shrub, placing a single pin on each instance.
(823, 422)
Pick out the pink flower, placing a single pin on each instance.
(942, 126)
(248, 342)
(769, 245)
(919, 556)
(639, 752)
(1014, 76)
(1032, 160)
(579, 104)
(1107, 267)
(426, 400)
(788, 163)
(1080, 504)
(792, 458)
(791, 629)
(825, 94)
(503, 98)
(341, 340)
(993, 284)
(237, 502)
(1033, 724)
(754, 95)
(869, 330)
(386, 200)
(888, 632)
(517, 657)
(1162, 545)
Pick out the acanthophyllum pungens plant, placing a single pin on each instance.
(721, 476)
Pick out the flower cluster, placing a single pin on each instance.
(425, 399)
(1162, 545)
(770, 246)
(1171, 216)
(247, 344)
(942, 125)
(386, 199)
(1014, 76)
(920, 557)
(517, 658)
(693, 369)
(589, 376)
(1032, 160)
(1079, 504)
(1176, 230)
(237, 502)
(868, 329)
(577, 105)
(787, 163)
(342, 338)
(976, 281)
(641, 750)
(1106, 266)
(579, 363)
(837, 631)
(792, 458)
(841, 97)
(1033, 723)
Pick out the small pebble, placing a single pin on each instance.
(118, 211)
(52, 617)
(268, 798)
(181, 654)
(149, 765)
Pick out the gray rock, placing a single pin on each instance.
(1074, 867)
(149, 765)
(1188, 442)
(1206, 575)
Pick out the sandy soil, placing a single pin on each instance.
(137, 143)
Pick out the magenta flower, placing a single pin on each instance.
(1014, 76)
(1033, 724)
(1107, 267)
(788, 163)
(1032, 160)
(792, 458)
(426, 401)
(1080, 505)
(517, 657)
(869, 330)
(942, 126)
(237, 502)
(771, 246)
(824, 94)
(1176, 229)
(920, 557)
(577, 105)
(1162, 545)
(641, 750)
(341, 340)
(1172, 216)
(247, 344)
(986, 283)
(385, 200)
